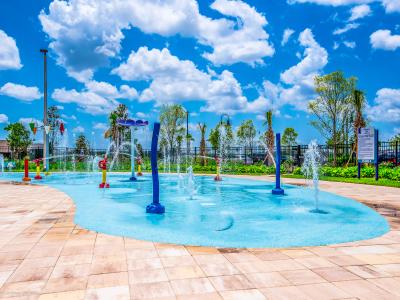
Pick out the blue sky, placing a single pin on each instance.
(213, 57)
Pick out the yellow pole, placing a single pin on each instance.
(139, 169)
(104, 176)
(38, 171)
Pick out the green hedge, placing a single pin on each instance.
(351, 172)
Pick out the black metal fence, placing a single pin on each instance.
(388, 152)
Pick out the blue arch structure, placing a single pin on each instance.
(155, 207)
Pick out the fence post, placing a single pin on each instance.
(298, 155)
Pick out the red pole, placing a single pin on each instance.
(26, 170)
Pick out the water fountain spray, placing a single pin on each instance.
(132, 124)
(1, 163)
(310, 169)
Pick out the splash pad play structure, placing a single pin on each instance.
(235, 212)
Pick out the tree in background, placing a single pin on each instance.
(54, 121)
(269, 137)
(81, 145)
(214, 136)
(18, 139)
(331, 106)
(203, 129)
(172, 118)
(289, 137)
(115, 132)
(246, 133)
(358, 102)
(395, 139)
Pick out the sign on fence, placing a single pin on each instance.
(366, 145)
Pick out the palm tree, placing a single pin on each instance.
(358, 103)
(269, 135)
(203, 128)
(116, 132)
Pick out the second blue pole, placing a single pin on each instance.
(278, 190)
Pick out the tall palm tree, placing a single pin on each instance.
(269, 135)
(116, 132)
(358, 103)
(203, 128)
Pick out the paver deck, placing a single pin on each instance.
(44, 255)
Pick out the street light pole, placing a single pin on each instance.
(45, 139)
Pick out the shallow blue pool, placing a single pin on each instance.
(233, 213)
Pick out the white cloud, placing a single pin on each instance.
(359, 12)
(390, 6)
(349, 44)
(286, 36)
(26, 121)
(21, 92)
(297, 83)
(386, 107)
(87, 101)
(100, 126)
(78, 129)
(238, 38)
(98, 97)
(346, 28)
(67, 117)
(173, 80)
(9, 53)
(383, 39)
(3, 118)
(141, 115)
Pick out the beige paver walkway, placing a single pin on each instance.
(44, 255)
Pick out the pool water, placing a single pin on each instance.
(235, 212)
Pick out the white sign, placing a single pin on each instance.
(366, 145)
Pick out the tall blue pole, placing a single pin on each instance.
(376, 142)
(278, 190)
(155, 207)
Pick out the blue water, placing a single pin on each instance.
(233, 213)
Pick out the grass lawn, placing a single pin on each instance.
(371, 181)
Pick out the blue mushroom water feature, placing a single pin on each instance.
(278, 190)
(155, 207)
(132, 124)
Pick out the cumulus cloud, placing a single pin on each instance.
(286, 36)
(383, 39)
(9, 53)
(3, 118)
(20, 92)
(391, 6)
(346, 28)
(174, 80)
(359, 12)
(87, 101)
(98, 97)
(238, 38)
(296, 87)
(386, 106)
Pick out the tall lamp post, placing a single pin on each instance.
(45, 139)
